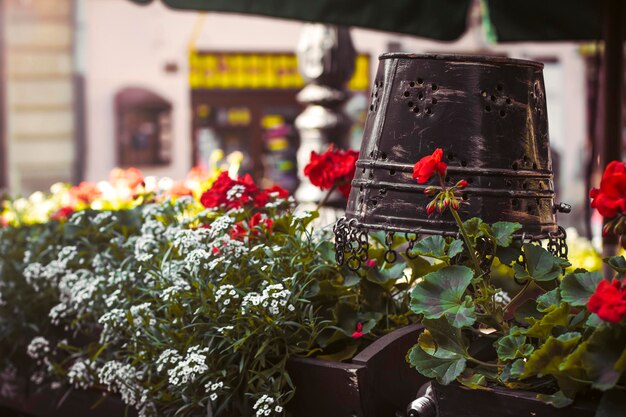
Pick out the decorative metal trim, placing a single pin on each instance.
(352, 242)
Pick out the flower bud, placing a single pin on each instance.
(606, 229)
(446, 201)
(455, 204)
(430, 208)
(431, 190)
(461, 184)
(440, 206)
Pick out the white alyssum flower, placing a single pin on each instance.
(173, 291)
(67, 254)
(146, 247)
(82, 374)
(264, 406)
(225, 294)
(272, 299)
(214, 389)
(125, 380)
(191, 367)
(38, 348)
(168, 358)
(501, 297)
(112, 321)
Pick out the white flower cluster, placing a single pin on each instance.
(214, 389)
(501, 297)
(235, 192)
(186, 240)
(167, 358)
(273, 297)
(221, 225)
(67, 254)
(112, 321)
(152, 227)
(146, 247)
(38, 348)
(171, 292)
(125, 380)
(189, 368)
(142, 314)
(265, 405)
(102, 218)
(82, 374)
(226, 292)
(197, 260)
(302, 215)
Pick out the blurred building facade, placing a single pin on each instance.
(155, 95)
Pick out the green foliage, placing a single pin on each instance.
(576, 288)
(441, 293)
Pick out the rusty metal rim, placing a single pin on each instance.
(368, 163)
(472, 190)
(466, 59)
(353, 222)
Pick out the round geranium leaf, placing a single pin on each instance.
(576, 288)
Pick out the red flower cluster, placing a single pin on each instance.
(232, 194)
(332, 168)
(255, 224)
(610, 199)
(428, 165)
(62, 214)
(609, 300)
(359, 331)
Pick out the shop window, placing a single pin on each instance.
(144, 128)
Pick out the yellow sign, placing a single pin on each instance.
(224, 70)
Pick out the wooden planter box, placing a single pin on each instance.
(376, 383)
(457, 401)
(55, 403)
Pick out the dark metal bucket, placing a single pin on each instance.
(488, 114)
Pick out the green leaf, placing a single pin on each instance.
(456, 247)
(473, 380)
(350, 280)
(473, 227)
(503, 232)
(617, 263)
(445, 336)
(346, 353)
(604, 359)
(526, 310)
(512, 347)
(557, 400)
(547, 359)
(441, 293)
(421, 266)
(434, 246)
(541, 265)
(512, 370)
(542, 328)
(383, 275)
(548, 301)
(576, 288)
(509, 254)
(612, 404)
(446, 368)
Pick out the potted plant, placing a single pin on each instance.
(561, 339)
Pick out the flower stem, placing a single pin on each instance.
(324, 200)
(468, 243)
(486, 364)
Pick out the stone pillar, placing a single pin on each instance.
(326, 58)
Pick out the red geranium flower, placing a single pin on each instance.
(332, 168)
(610, 199)
(359, 331)
(276, 191)
(240, 231)
(609, 301)
(62, 213)
(428, 165)
(223, 194)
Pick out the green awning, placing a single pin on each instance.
(445, 20)
(436, 19)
